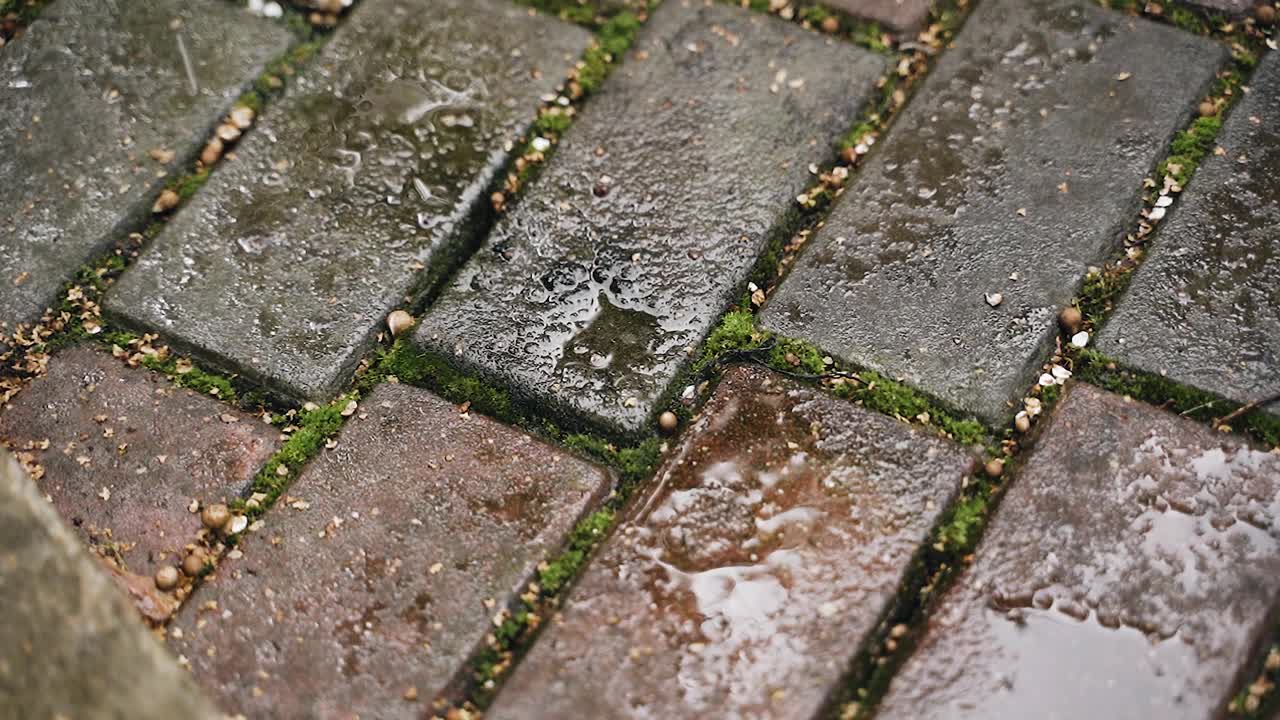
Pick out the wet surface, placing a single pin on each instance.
(1235, 7)
(70, 646)
(1130, 572)
(1205, 308)
(898, 15)
(594, 290)
(1021, 156)
(125, 452)
(370, 172)
(743, 585)
(89, 89)
(383, 565)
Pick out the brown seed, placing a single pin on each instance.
(830, 24)
(211, 152)
(1266, 14)
(167, 201)
(848, 154)
(193, 564)
(1022, 423)
(411, 694)
(398, 322)
(167, 578)
(242, 116)
(498, 200)
(227, 132)
(668, 422)
(1070, 318)
(995, 468)
(1208, 109)
(215, 517)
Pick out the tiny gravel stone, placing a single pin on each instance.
(193, 564)
(1022, 423)
(215, 516)
(668, 421)
(1207, 109)
(1080, 339)
(994, 468)
(212, 151)
(167, 578)
(994, 299)
(399, 321)
(242, 117)
(1070, 318)
(167, 201)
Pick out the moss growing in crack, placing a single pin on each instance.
(193, 378)
(613, 39)
(411, 365)
(314, 427)
(1189, 147)
(556, 574)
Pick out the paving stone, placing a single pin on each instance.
(381, 569)
(89, 89)
(1022, 155)
(898, 15)
(1205, 308)
(70, 646)
(124, 453)
(744, 584)
(593, 291)
(1130, 572)
(1233, 7)
(364, 181)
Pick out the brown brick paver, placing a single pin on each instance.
(742, 586)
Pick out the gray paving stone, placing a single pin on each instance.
(594, 290)
(88, 90)
(898, 15)
(744, 584)
(362, 182)
(1023, 155)
(1232, 7)
(1130, 572)
(1205, 308)
(383, 568)
(70, 646)
(124, 452)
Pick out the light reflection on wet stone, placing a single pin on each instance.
(743, 584)
(1129, 573)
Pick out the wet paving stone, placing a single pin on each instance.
(598, 285)
(354, 191)
(897, 15)
(1204, 310)
(1130, 572)
(383, 566)
(88, 91)
(743, 585)
(124, 453)
(1232, 7)
(70, 646)
(1017, 165)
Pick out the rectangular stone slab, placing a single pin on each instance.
(1204, 310)
(370, 173)
(1130, 572)
(1021, 156)
(743, 585)
(383, 567)
(124, 454)
(69, 645)
(595, 289)
(88, 90)
(899, 15)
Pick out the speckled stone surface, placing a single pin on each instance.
(70, 646)
(124, 453)
(88, 90)
(595, 289)
(382, 568)
(1205, 308)
(1233, 7)
(1130, 572)
(898, 15)
(743, 585)
(1021, 156)
(353, 191)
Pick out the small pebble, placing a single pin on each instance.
(668, 422)
(215, 516)
(1070, 319)
(167, 201)
(242, 116)
(995, 468)
(1266, 14)
(830, 24)
(994, 299)
(167, 578)
(193, 563)
(211, 152)
(1080, 339)
(1022, 423)
(1207, 109)
(398, 322)
(228, 132)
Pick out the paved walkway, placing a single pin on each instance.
(448, 358)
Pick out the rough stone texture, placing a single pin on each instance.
(93, 424)
(898, 15)
(1233, 7)
(1205, 308)
(418, 517)
(87, 91)
(375, 165)
(596, 287)
(1023, 153)
(1130, 572)
(70, 647)
(743, 586)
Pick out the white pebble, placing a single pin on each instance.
(541, 144)
(994, 299)
(1080, 339)
(1046, 380)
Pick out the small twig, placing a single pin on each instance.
(1201, 406)
(1246, 409)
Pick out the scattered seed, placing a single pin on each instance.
(193, 564)
(399, 321)
(1070, 318)
(161, 155)
(994, 299)
(1266, 14)
(668, 422)
(1022, 423)
(228, 132)
(216, 516)
(1080, 339)
(211, 152)
(167, 201)
(167, 578)
(994, 468)
(242, 116)
(350, 409)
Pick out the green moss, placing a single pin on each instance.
(963, 525)
(613, 39)
(1189, 147)
(736, 332)
(314, 428)
(411, 365)
(555, 575)
(187, 184)
(203, 382)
